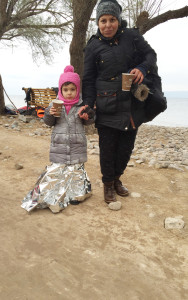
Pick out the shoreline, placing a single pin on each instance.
(174, 116)
(160, 147)
(166, 126)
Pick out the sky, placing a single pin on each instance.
(169, 40)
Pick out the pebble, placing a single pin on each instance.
(151, 215)
(115, 205)
(174, 223)
(18, 166)
(135, 195)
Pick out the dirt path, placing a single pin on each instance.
(89, 251)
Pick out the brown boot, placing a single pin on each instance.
(109, 192)
(119, 188)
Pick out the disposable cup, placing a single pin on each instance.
(127, 80)
(57, 104)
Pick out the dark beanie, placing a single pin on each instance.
(109, 7)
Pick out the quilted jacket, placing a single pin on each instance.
(68, 141)
(105, 60)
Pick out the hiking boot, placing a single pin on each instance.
(119, 188)
(109, 192)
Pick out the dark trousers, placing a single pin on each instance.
(115, 150)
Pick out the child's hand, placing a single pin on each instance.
(82, 113)
(86, 112)
(53, 111)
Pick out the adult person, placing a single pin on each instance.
(114, 50)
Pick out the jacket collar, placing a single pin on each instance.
(113, 40)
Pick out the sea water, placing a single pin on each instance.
(176, 114)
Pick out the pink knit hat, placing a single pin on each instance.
(69, 75)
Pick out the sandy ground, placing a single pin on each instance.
(88, 251)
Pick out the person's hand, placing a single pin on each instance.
(138, 75)
(86, 112)
(82, 113)
(53, 111)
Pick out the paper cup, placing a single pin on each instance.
(57, 104)
(127, 80)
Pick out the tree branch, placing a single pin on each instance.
(42, 26)
(169, 15)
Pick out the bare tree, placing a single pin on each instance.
(43, 24)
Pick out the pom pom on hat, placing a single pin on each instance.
(69, 69)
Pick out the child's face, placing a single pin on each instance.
(69, 91)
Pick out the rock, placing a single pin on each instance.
(39, 132)
(18, 166)
(139, 161)
(151, 215)
(174, 166)
(162, 147)
(185, 161)
(115, 205)
(90, 146)
(15, 124)
(174, 223)
(93, 151)
(135, 195)
(25, 119)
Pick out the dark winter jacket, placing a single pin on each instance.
(105, 61)
(68, 140)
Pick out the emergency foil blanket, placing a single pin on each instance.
(57, 186)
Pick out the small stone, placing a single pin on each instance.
(18, 166)
(15, 124)
(173, 166)
(39, 132)
(135, 195)
(151, 215)
(139, 161)
(93, 151)
(25, 119)
(174, 223)
(115, 205)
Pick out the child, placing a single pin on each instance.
(65, 180)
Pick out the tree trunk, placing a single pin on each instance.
(2, 101)
(82, 10)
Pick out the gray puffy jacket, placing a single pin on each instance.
(68, 140)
